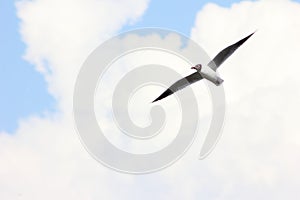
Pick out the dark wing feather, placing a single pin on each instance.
(182, 83)
(225, 53)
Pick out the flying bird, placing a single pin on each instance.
(207, 72)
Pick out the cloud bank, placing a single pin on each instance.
(257, 157)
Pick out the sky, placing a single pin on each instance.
(17, 74)
(257, 156)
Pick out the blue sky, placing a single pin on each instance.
(256, 157)
(24, 90)
(175, 15)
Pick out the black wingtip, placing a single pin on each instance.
(246, 38)
(163, 95)
(157, 99)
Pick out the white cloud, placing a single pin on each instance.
(255, 158)
(44, 158)
(60, 34)
(258, 150)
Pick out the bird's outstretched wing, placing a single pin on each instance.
(225, 53)
(182, 83)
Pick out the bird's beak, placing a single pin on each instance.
(193, 67)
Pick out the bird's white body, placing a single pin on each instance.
(211, 75)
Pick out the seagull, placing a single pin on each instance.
(208, 72)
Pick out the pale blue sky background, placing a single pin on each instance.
(24, 91)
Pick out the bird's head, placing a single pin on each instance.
(197, 67)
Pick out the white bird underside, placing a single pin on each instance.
(207, 72)
(211, 75)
